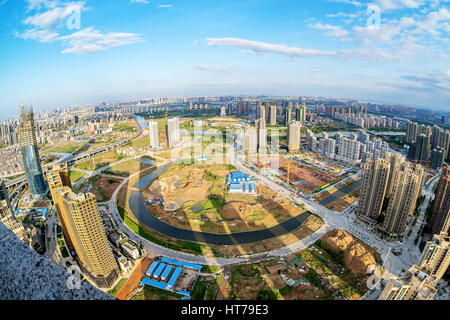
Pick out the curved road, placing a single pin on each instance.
(137, 207)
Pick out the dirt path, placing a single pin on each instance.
(135, 278)
(224, 285)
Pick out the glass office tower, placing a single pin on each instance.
(30, 154)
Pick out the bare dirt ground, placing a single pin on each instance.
(102, 188)
(196, 198)
(341, 204)
(135, 279)
(306, 178)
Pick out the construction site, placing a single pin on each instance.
(308, 173)
(197, 197)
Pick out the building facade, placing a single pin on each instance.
(153, 133)
(407, 186)
(440, 213)
(373, 190)
(30, 154)
(173, 131)
(86, 233)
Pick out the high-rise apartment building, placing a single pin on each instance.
(87, 235)
(373, 190)
(230, 109)
(173, 131)
(407, 186)
(300, 112)
(154, 134)
(415, 285)
(58, 177)
(262, 112)
(273, 115)
(421, 280)
(437, 158)
(240, 108)
(7, 216)
(411, 132)
(250, 140)
(288, 114)
(348, 150)
(4, 193)
(422, 147)
(30, 154)
(327, 147)
(294, 136)
(261, 131)
(435, 257)
(440, 213)
(395, 159)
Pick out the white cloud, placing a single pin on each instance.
(90, 40)
(213, 69)
(38, 4)
(50, 18)
(352, 2)
(256, 47)
(387, 5)
(139, 1)
(165, 6)
(45, 36)
(331, 31)
(342, 15)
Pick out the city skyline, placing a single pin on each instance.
(178, 48)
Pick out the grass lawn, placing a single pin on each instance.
(114, 291)
(205, 289)
(99, 161)
(75, 176)
(174, 245)
(152, 293)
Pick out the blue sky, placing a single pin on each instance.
(144, 48)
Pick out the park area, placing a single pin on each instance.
(195, 197)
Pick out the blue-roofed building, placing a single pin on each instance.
(152, 268)
(175, 276)
(159, 270)
(239, 182)
(166, 272)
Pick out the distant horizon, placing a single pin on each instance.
(99, 101)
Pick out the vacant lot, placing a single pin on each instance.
(127, 168)
(102, 187)
(311, 274)
(196, 198)
(99, 161)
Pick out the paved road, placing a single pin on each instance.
(342, 192)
